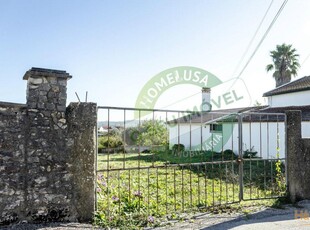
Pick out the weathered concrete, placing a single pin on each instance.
(82, 120)
(298, 158)
(44, 175)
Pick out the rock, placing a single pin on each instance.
(35, 81)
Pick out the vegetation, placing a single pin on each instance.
(285, 63)
(152, 133)
(149, 133)
(157, 186)
(178, 148)
(249, 153)
(110, 141)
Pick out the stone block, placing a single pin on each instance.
(42, 98)
(62, 82)
(50, 106)
(43, 93)
(55, 89)
(61, 108)
(32, 105)
(45, 87)
(41, 105)
(35, 81)
(52, 80)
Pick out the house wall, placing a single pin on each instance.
(289, 99)
(261, 136)
(47, 152)
(305, 129)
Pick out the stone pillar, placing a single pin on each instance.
(47, 154)
(82, 123)
(48, 181)
(298, 159)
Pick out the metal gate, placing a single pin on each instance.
(154, 163)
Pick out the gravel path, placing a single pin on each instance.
(49, 226)
(262, 218)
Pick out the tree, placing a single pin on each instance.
(153, 133)
(285, 63)
(148, 133)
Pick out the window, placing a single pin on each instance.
(216, 128)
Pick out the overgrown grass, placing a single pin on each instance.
(139, 189)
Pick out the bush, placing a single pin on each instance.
(178, 148)
(109, 142)
(148, 133)
(249, 154)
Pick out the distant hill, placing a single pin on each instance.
(128, 123)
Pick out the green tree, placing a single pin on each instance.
(148, 133)
(131, 135)
(153, 133)
(285, 63)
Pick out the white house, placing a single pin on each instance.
(262, 126)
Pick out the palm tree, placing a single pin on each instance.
(285, 63)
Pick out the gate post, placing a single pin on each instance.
(240, 156)
(82, 133)
(298, 158)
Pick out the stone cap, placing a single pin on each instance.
(40, 72)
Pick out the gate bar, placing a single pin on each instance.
(240, 160)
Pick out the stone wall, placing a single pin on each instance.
(298, 158)
(12, 161)
(47, 154)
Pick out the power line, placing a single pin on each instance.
(252, 39)
(257, 47)
(261, 41)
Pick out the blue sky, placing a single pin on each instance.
(112, 48)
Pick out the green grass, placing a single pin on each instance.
(139, 189)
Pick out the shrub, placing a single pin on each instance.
(249, 153)
(109, 142)
(228, 154)
(178, 148)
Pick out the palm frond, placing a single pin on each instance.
(269, 67)
(285, 62)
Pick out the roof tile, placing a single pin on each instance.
(301, 84)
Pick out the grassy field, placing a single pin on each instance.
(140, 188)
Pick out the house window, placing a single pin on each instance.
(216, 128)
